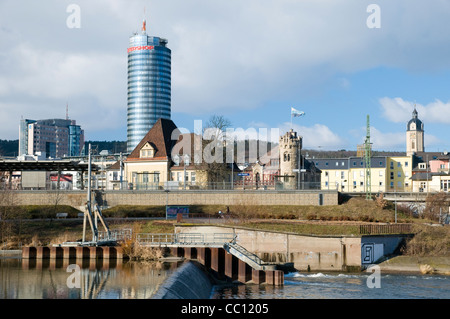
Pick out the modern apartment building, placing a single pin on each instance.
(56, 138)
(149, 85)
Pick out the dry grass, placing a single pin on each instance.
(429, 241)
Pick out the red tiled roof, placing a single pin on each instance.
(160, 137)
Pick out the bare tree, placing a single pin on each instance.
(436, 205)
(214, 150)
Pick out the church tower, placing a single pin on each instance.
(414, 135)
(290, 147)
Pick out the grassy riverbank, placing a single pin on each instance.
(36, 225)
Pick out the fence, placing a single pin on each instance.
(116, 234)
(385, 229)
(185, 238)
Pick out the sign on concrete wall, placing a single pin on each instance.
(371, 252)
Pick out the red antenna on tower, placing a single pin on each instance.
(144, 23)
(67, 111)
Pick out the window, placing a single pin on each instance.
(399, 174)
(145, 177)
(326, 173)
(399, 164)
(392, 184)
(380, 184)
(399, 184)
(392, 175)
(406, 164)
(354, 163)
(342, 175)
(422, 165)
(381, 173)
(147, 151)
(193, 177)
(392, 165)
(156, 177)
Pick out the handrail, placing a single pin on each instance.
(185, 238)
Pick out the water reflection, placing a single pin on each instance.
(89, 279)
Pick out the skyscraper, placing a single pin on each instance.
(149, 84)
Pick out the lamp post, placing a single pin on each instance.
(167, 200)
(185, 160)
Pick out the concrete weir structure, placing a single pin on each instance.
(228, 267)
(92, 253)
(304, 252)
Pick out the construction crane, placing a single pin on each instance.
(367, 160)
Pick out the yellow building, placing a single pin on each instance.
(399, 173)
(350, 174)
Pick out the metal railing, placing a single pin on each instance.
(385, 229)
(185, 239)
(118, 235)
(241, 251)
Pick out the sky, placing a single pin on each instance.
(249, 61)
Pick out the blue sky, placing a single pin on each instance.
(250, 61)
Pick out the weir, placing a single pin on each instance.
(79, 252)
(220, 253)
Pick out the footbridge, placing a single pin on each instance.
(218, 252)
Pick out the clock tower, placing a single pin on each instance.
(414, 135)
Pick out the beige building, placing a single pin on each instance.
(166, 159)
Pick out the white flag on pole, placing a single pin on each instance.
(296, 113)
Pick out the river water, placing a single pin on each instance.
(63, 279)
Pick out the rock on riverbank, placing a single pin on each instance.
(435, 265)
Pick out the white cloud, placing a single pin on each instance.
(398, 110)
(318, 136)
(225, 54)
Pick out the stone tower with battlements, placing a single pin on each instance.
(290, 152)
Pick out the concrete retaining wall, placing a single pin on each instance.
(78, 199)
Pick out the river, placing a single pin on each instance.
(61, 279)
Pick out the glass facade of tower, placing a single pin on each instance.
(149, 85)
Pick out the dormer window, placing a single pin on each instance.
(147, 151)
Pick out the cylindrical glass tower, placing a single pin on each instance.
(149, 85)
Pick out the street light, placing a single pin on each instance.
(185, 160)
